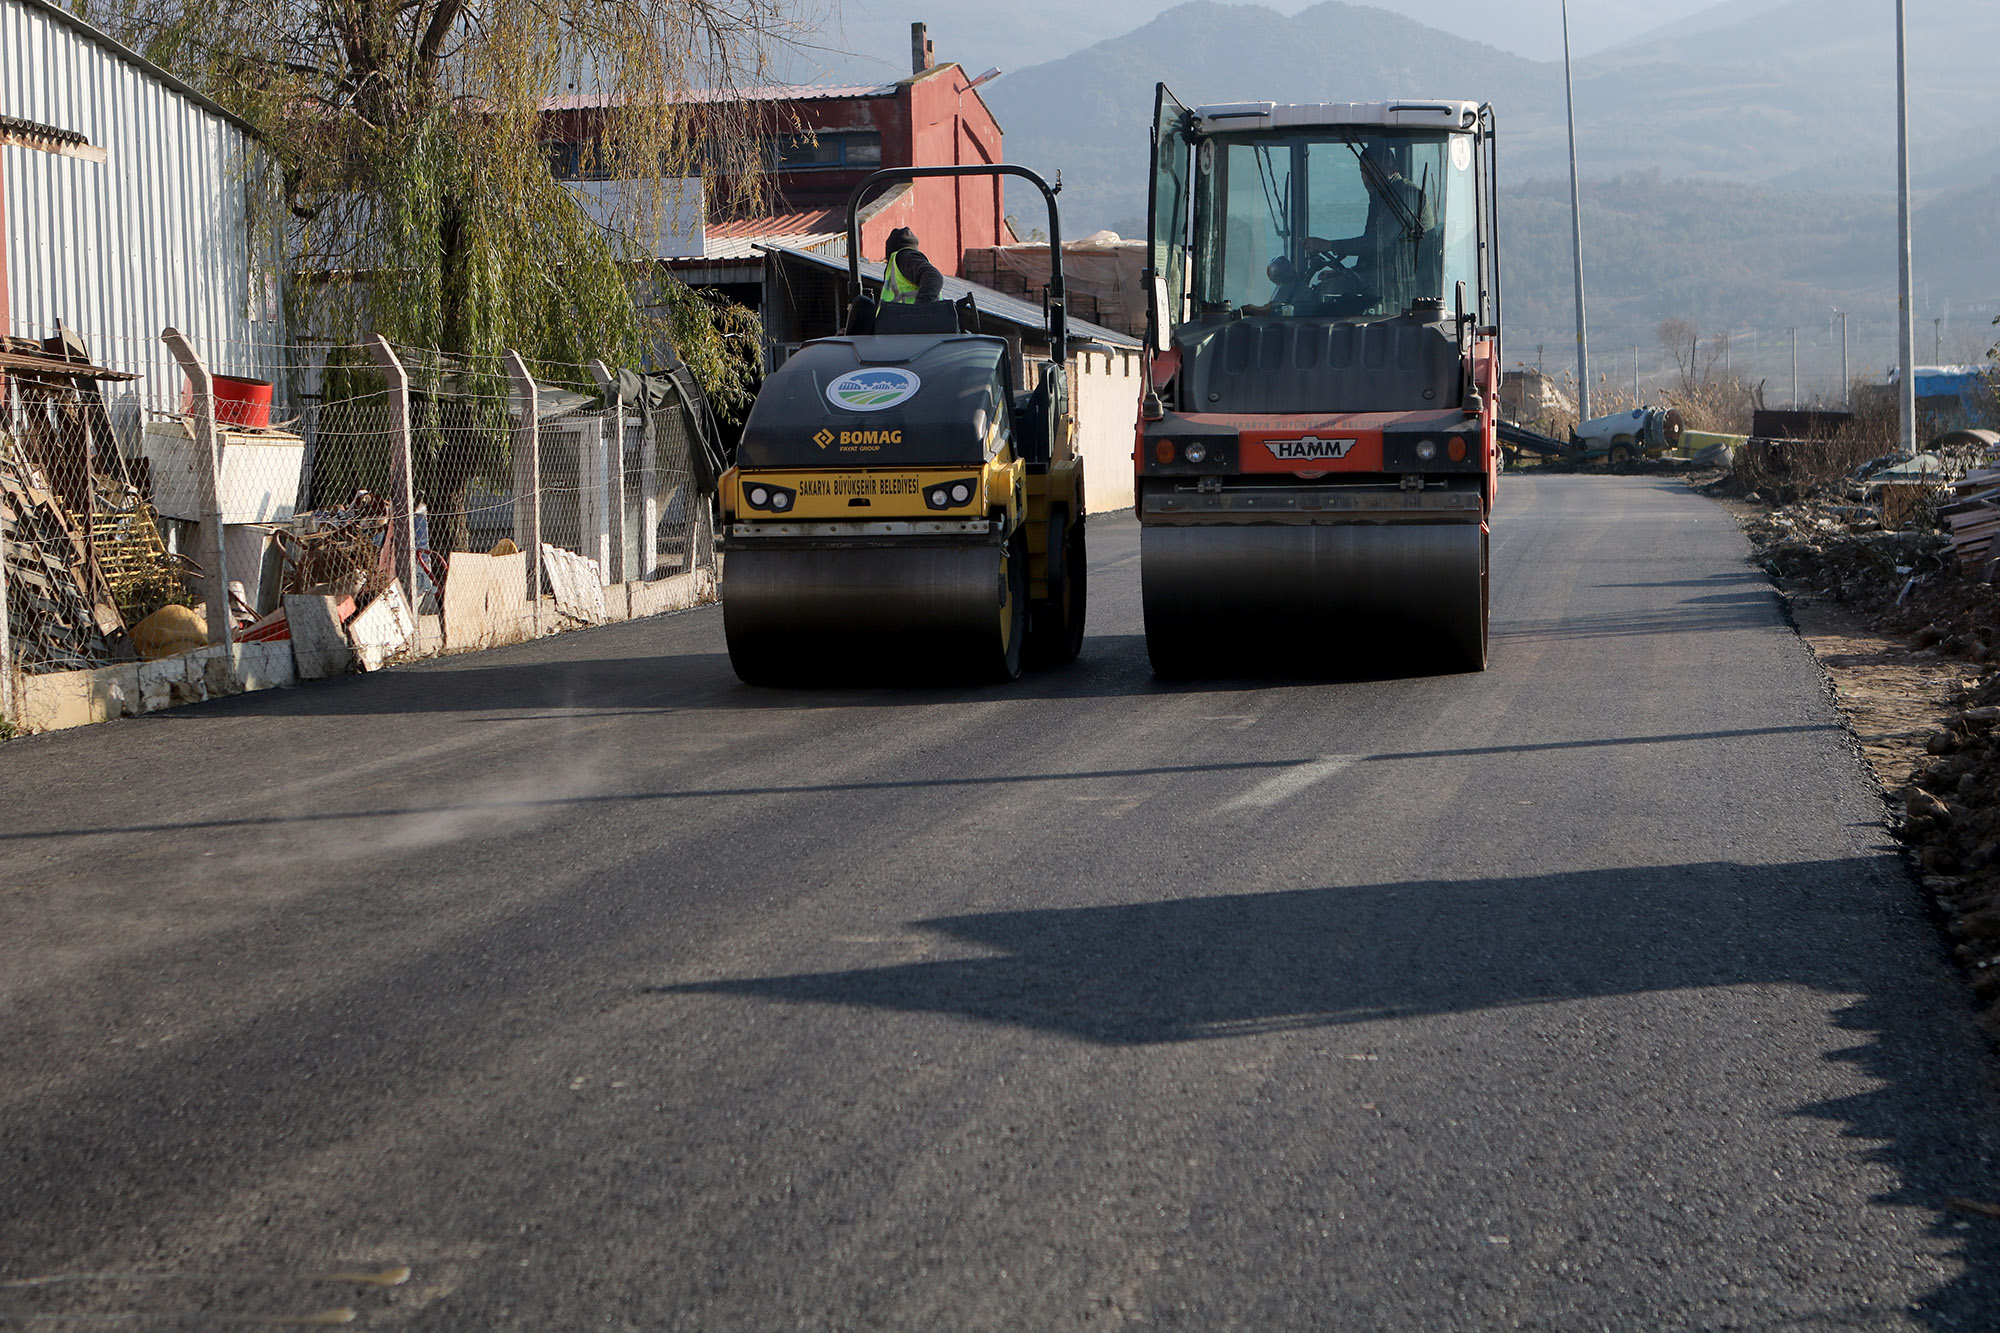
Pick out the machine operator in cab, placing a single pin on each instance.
(907, 278)
(1400, 215)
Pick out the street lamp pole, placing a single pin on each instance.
(1906, 386)
(1576, 231)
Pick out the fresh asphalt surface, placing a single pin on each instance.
(606, 992)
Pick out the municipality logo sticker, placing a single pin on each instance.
(873, 389)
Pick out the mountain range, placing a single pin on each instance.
(866, 40)
(1742, 160)
(1800, 96)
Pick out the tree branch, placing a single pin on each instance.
(441, 23)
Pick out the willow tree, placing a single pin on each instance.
(417, 192)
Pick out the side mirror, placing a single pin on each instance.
(1056, 376)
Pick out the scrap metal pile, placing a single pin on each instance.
(91, 581)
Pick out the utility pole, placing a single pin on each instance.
(1636, 401)
(1794, 331)
(1906, 386)
(1576, 231)
(1843, 355)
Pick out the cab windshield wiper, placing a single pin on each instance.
(1379, 179)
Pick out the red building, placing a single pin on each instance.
(821, 142)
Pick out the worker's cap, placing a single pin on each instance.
(902, 239)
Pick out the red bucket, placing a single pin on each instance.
(238, 402)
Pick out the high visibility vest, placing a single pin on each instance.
(896, 287)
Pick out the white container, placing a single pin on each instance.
(260, 473)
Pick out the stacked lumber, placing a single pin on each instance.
(1974, 518)
(61, 612)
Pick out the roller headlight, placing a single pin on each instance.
(760, 495)
(1196, 452)
(946, 494)
(1427, 450)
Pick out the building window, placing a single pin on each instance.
(578, 161)
(846, 148)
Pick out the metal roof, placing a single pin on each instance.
(133, 58)
(774, 92)
(1008, 309)
(809, 229)
(749, 247)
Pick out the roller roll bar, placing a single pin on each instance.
(1058, 308)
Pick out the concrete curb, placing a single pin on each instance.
(65, 699)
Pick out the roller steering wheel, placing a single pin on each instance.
(1332, 278)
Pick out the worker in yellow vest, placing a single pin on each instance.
(907, 278)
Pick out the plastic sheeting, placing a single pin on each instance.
(1104, 274)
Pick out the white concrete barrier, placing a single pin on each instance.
(1105, 395)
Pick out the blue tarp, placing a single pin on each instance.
(1948, 381)
(1969, 386)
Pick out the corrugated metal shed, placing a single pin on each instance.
(163, 232)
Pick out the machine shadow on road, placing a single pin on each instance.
(1215, 968)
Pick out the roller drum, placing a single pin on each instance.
(1314, 598)
(869, 614)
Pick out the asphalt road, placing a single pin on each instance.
(604, 992)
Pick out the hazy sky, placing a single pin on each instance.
(871, 37)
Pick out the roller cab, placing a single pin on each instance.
(1315, 450)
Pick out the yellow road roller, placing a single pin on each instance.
(900, 510)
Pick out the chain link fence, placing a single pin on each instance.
(479, 503)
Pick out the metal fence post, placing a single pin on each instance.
(614, 476)
(6, 642)
(402, 498)
(208, 449)
(649, 488)
(528, 480)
